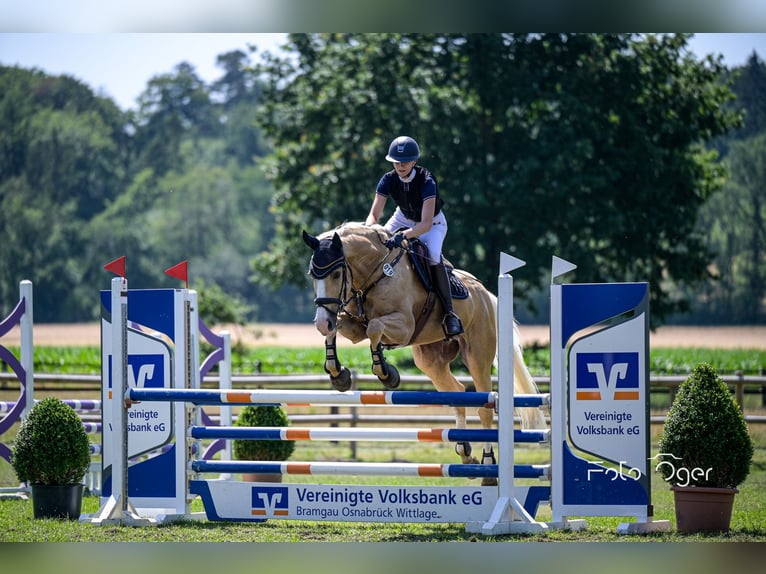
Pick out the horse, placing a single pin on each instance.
(365, 290)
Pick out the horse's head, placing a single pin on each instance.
(353, 250)
(328, 270)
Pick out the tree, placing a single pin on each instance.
(239, 90)
(173, 107)
(82, 183)
(238, 84)
(585, 146)
(63, 160)
(734, 223)
(750, 87)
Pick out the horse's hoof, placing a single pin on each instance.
(489, 481)
(463, 449)
(393, 379)
(343, 381)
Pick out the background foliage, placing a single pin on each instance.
(622, 153)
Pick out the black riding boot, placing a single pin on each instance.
(451, 322)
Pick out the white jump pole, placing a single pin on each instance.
(27, 355)
(117, 508)
(224, 371)
(509, 515)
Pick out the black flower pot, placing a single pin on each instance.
(57, 501)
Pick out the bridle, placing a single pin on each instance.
(359, 295)
(323, 302)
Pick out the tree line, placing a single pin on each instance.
(622, 153)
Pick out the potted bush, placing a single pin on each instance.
(705, 451)
(263, 416)
(52, 453)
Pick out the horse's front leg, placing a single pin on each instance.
(340, 376)
(395, 331)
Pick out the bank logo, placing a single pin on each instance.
(144, 371)
(270, 501)
(607, 376)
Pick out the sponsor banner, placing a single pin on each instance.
(226, 500)
(607, 400)
(150, 425)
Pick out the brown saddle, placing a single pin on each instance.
(418, 253)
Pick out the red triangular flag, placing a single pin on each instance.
(179, 271)
(117, 266)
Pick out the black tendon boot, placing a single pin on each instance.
(451, 322)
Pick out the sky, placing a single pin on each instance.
(119, 65)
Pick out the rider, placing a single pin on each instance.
(418, 214)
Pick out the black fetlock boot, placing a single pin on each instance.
(451, 322)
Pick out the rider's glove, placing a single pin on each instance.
(395, 241)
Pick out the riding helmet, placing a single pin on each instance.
(403, 149)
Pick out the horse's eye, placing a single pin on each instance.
(336, 275)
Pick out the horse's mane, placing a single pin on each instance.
(349, 231)
(358, 228)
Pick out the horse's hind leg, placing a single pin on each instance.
(434, 360)
(479, 359)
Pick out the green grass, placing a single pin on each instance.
(283, 360)
(748, 522)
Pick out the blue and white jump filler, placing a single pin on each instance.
(600, 401)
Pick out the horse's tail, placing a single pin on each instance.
(523, 382)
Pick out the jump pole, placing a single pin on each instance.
(27, 342)
(23, 366)
(509, 514)
(117, 509)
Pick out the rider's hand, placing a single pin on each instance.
(395, 241)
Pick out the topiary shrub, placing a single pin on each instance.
(52, 447)
(705, 441)
(263, 416)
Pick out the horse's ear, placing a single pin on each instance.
(310, 240)
(336, 242)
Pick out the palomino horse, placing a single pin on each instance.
(364, 290)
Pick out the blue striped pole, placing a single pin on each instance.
(367, 398)
(347, 468)
(362, 434)
(365, 469)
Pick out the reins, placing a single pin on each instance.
(360, 294)
(357, 294)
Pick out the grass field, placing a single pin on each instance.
(748, 522)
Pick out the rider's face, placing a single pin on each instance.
(403, 168)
